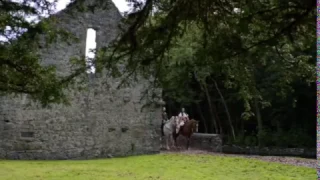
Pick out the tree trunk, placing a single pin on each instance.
(236, 125)
(202, 118)
(242, 126)
(226, 109)
(259, 120)
(218, 119)
(210, 107)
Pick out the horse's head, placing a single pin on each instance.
(194, 125)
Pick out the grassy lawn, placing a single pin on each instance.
(160, 167)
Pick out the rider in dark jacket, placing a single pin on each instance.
(164, 119)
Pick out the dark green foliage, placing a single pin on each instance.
(20, 69)
(248, 74)
(239, 67)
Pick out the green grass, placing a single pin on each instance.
(160, 167)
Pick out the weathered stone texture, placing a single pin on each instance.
(101, 121)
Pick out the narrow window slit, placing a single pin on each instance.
(90, 50)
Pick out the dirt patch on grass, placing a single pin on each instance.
(312, 163)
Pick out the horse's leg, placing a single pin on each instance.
(188, 143)
(167, 142)
(175, 141)
(171, 141)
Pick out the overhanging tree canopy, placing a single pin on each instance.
(229, 30)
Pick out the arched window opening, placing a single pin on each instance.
(90, 50)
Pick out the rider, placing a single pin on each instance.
(183, 118)
(164, 119)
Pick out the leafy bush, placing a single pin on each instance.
(294, 138)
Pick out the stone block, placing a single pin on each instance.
(200, 141)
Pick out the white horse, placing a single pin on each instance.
(168, 128)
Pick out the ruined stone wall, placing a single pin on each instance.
(101, 121)
(202, 141)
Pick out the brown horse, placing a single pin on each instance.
(186, 130)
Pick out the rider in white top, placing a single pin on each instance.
(183, 114)
(182, 118)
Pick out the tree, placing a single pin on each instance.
(21, 25)
(253, 49)
(245, 59)
(20, 70)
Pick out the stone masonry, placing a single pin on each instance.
(100, 122)
(202, 141)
